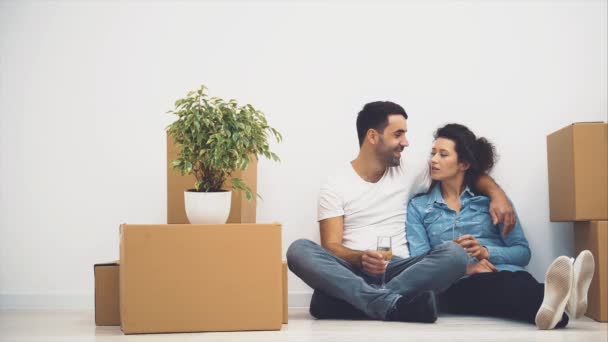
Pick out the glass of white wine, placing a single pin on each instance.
(456, 232)
(384, 247)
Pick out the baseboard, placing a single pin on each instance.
(33, 301)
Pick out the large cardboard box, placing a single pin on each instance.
(107, 308)
(241, 209)
(107, 305)
(577, 158)
(188, 278)
(594, 237)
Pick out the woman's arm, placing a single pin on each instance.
(415, 232)
(516, 250)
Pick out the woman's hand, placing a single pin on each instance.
(481, 266)
(472, 247)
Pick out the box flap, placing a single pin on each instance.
(111, 263)
(587, 122)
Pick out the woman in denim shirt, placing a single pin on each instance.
(496, 283)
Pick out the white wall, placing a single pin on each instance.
(84, 87)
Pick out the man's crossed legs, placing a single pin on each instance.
(342, 289)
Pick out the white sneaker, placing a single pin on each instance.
(558, 286)
(584, 267)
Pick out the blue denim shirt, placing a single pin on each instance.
(431, 222)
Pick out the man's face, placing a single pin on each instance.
(392, 141)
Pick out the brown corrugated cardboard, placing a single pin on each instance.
(577, 157)
(241, 209)
(107, 305)
(285, 304)
(107, 308)
(594, 237)
(186, 278)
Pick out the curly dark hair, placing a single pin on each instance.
(479, 153)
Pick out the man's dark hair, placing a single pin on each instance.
(375, 115)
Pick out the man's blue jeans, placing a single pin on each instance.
(322, 270)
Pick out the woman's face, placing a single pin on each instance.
(444, 161)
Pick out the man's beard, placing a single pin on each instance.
(388, 155)
(389, 158)
(394, 161)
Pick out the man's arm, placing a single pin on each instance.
(500, 207)
(332, 231)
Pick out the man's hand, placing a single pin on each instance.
(373, 262)
(482, 266)
(472, 247)
(502, 212)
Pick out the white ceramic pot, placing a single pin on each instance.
(207, 207)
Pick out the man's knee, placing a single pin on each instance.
(455, 254)
(298, 251)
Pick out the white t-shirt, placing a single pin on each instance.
(374, 209)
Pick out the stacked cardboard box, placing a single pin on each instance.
(578, 189)
(593, 235)
(188, 278)
(107, 303)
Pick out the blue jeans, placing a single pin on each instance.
(323, 271)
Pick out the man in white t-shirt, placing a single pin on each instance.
(367, 199)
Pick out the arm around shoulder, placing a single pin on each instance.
(501, 209)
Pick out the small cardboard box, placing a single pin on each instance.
(241, 209)
(189, 278)
(577, 157)
(107, 305)
(284, 281)
(594, 237)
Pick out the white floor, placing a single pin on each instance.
(68, 326)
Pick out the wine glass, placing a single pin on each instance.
(384, 247)
(456, 232)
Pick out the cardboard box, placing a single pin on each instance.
(107, 305)
(107, 308)
(284, 282)
(241, 209)
(577, 158)
(188, 278)
(594, 237)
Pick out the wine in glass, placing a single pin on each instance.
(384, 247)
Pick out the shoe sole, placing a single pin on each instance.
(558, 286)
(584, 267)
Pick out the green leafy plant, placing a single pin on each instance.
(217, 137)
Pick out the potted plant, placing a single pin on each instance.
(215, 138)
